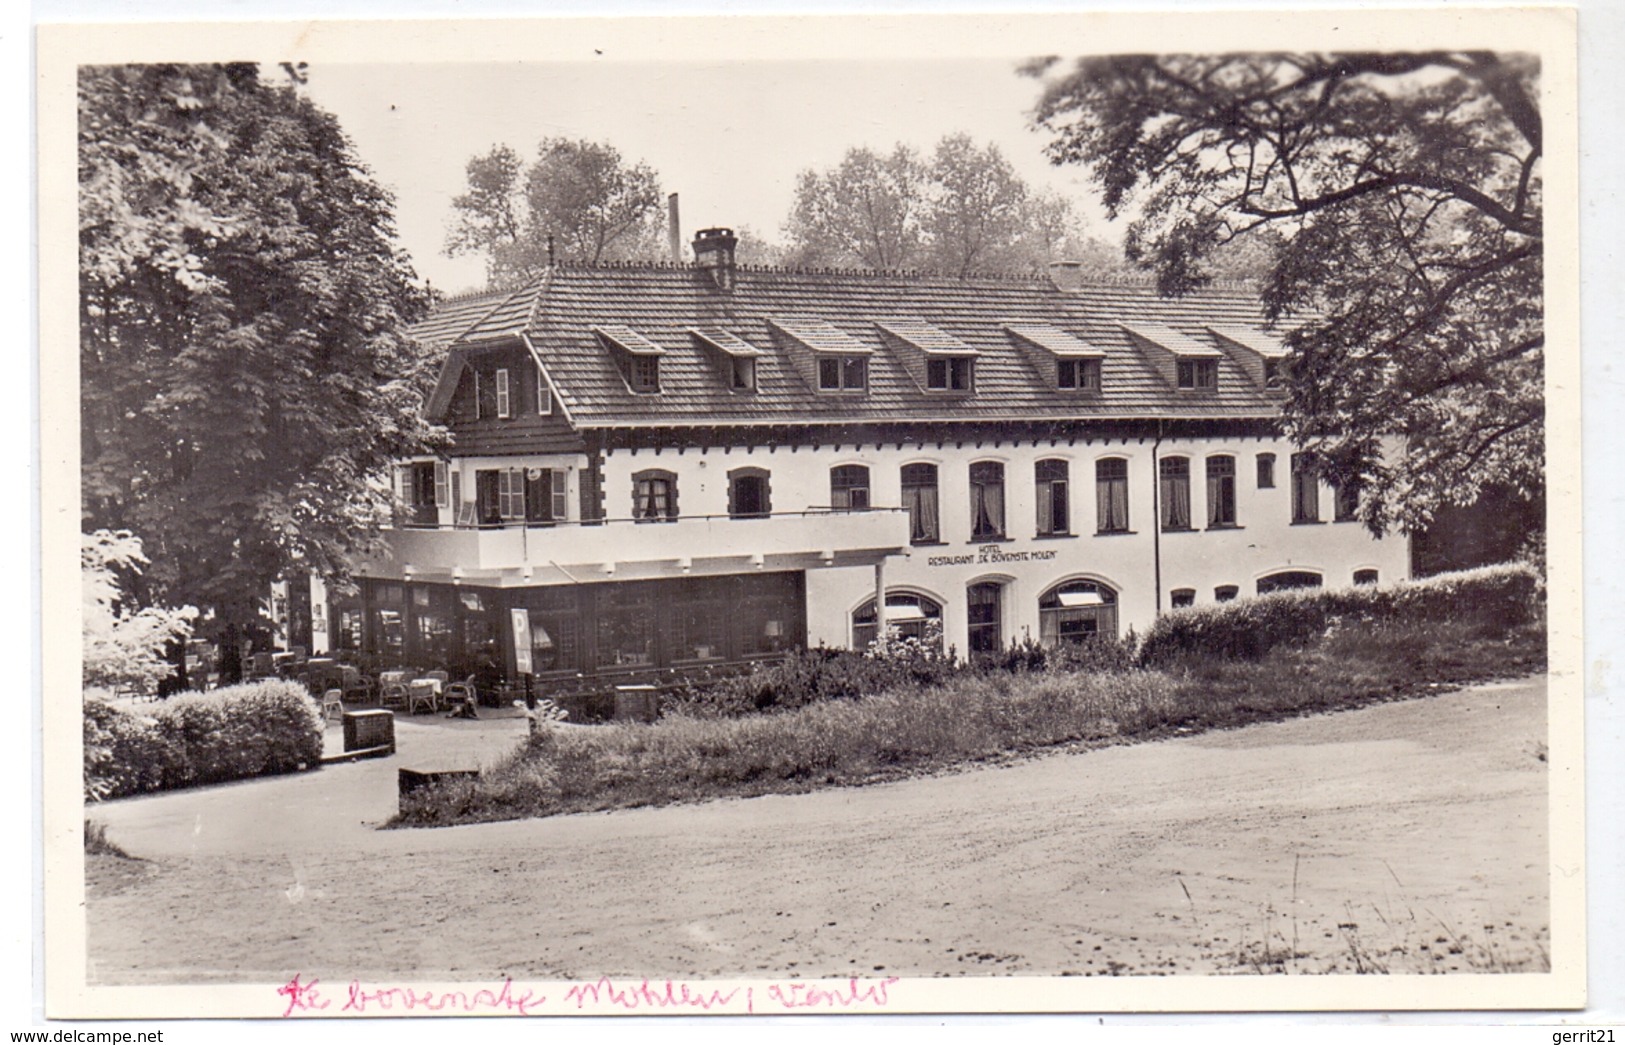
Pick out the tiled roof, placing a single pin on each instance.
(841, 311)
(1052, 339)
(1259, 341)
(1177, 342)
(727, 342)
(925, 337)
(454, 316)
(628, 339)
(820, 335)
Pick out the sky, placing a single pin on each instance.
(728, 136)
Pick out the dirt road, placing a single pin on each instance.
(1408, 836)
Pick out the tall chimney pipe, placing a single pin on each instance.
(674, 232)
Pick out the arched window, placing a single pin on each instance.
(1346, 501)
(849, 486)
(654, 495)
(1365, 576)
(1305, 489)
(1266, 471)
(987, 501)
(1175, 491)
(908, 616)
(1054, 500)
(984, 616)
(1286, 580)
(1225, 592)
(749, 496)
(1221, 491)
(1075, 611)
(1179, 598)
(920, 499)
(1111, 495)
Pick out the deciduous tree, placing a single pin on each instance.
(867, 210)
(584, 195)
(1402, 195)
(244, 375)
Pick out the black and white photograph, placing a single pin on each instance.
(812, 515)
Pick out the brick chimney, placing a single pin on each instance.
(714, 251)
(1066, 275)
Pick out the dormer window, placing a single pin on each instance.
(735, 356)
(637, 356)
(1075, 363)
(843, 373)
(950, 374)
(1077, 375)
(935, 358)
(827, 357)
(645, 375)
(1258, 351)
(1199, 374)
(1188, 362)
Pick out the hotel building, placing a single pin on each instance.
(673, 466)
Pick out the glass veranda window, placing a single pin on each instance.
(1077, 611)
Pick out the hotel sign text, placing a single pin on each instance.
(991, 553)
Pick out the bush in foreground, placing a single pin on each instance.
(202, 738)
(1496, 596)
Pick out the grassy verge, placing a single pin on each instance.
(978, 718)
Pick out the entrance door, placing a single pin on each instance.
(983, 606)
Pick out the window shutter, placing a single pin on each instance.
(505, 486)
(442, 496)
(561, 497)
(456, 495)
(479, 408)
(544, 398)
(516, 493)
(504, 404)
(403, 484)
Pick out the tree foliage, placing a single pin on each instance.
(963, 211)
(244, 377)
(1394, 206)
(122, 644)
(594, 205)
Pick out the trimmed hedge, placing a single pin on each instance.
(201, 738)
(1246, 629)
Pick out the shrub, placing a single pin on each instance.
(202, 738)
(1246, 629)
(806, 677)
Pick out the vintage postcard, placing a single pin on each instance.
(905, 513)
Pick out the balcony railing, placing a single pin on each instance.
(816, 534)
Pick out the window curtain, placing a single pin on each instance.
(1176, 502)
(1111, 504)
(921, 502)
(1046, 507)
(987, 509)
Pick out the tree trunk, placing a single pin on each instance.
(231, 655)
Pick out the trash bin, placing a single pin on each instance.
(641, 703)
(372, 728)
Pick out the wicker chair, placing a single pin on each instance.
(333, 700)
(392, 691)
